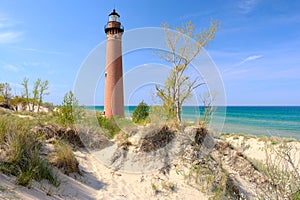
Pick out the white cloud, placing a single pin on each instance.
(247, 6)
(5, 22)
(9, 37)
(41, 51)
(249, 58)
(34, 64)
(12, 68)
(7, 34)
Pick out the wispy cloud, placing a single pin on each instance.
(10, 37)
(247, 6)
(10, 67)
(249, 58)
(7, 35)
(194, 15)
(34, 64)
(41, 51)
(5, 22)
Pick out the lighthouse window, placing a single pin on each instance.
(113, 18)
(105, 74)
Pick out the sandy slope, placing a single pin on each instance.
(121, 185)
(100, 182)
(254, 147)
(74, 187)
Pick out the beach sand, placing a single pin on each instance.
(254, 147)
(98, 181)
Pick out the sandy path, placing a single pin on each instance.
(121, 185)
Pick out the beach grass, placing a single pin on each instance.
(64, 158)
(20, 152)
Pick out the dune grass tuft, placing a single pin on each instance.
(64, 159)
(20, 152)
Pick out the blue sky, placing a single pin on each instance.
(256, 50)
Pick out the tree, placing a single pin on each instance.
(42, 91)
(14, 102)
(1, 90)
(140, 113)
(208, 109)
(5, 90)
(36, 93)
(183, 47)
(70, 110)
(26, 92)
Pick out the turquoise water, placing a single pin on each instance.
(281, 121)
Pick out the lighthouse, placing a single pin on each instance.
(114, 93)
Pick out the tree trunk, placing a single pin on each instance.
(40, 102)
(178, 113)
(178, 106)
(28, 104)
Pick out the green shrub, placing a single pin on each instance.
(140, 113)
(281, 171)
(70, 111)
(109, 126)
(296, 196)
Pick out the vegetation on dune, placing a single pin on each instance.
(5, 93)
(40, 89)
(279, 166)
(26, 92)
(20, 150)
(140, 113)
(112, 126)
(281, 170)
(63, 158)
(207, 100)
(183, 47)
(69, 111)
(22, 140)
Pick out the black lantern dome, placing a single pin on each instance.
(113, 24)
(114, 16)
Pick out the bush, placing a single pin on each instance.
(282, 171)
(140, 113)
(70, 110)
(296, 196)
(110, 126)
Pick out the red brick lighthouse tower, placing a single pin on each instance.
(114, 94)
